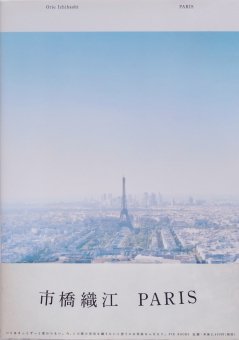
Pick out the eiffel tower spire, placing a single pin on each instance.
(124, 215)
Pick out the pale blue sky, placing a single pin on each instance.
(80, 110)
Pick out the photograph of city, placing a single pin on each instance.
(120, 147)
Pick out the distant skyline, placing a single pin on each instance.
(81, 110)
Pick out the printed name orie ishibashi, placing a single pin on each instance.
(167, 298)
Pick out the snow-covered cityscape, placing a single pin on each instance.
(146, 230)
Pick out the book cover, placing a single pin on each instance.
(119, 169)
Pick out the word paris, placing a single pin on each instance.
(91, 299)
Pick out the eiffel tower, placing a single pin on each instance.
(124, 215)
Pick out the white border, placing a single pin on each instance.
(120, 15)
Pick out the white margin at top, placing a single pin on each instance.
(119, 15)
